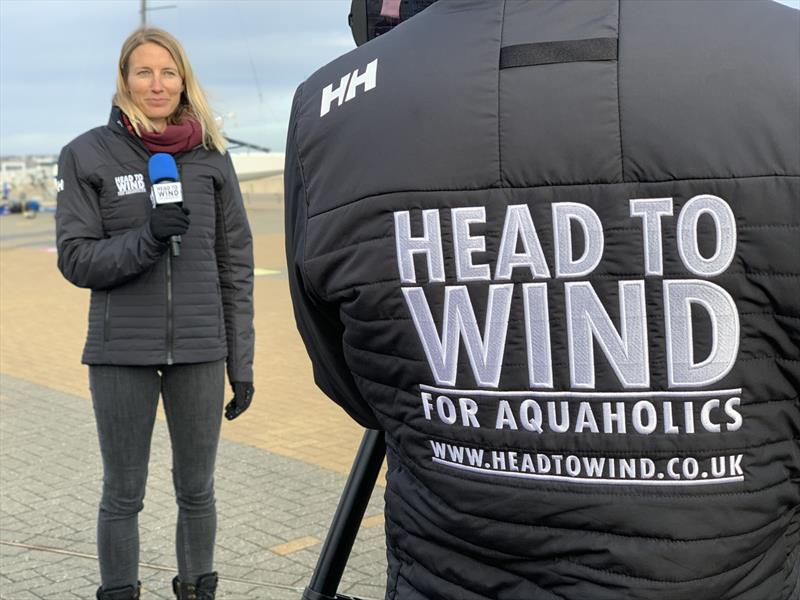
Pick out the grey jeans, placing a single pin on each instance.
(125, 401)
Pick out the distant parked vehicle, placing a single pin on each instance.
(31, 208)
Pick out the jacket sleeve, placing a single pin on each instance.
(87, 256)
(317, 321)
(234, 249)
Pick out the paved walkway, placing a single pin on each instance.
(281, 466)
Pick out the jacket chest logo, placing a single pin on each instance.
(129, 184)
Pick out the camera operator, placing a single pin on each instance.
(551, 249)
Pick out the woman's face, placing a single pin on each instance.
(154, 83)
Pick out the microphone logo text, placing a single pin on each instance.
(167, 192)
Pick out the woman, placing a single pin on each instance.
(159, 323)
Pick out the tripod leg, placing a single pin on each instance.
(347, 519)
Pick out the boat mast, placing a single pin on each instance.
(143, 8)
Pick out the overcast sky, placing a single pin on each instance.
(58, 60)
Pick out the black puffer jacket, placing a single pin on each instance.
(553, 250)
(148, 307)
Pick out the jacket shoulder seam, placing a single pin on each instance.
(619, 97)
(294, 134)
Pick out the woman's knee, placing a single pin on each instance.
(123, 496)
(195, 498)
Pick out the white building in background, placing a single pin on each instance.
(28, 170)
(12, 170)
(257, 165)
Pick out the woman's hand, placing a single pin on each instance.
(242, 396)
(168, 220)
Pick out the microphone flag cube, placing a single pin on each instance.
(166, 192)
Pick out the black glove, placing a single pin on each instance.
(242, 396)
(168, 220)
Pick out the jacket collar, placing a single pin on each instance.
(116, 125)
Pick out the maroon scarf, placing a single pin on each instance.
(175, 138)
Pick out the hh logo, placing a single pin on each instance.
(348, 87)
(129, 184)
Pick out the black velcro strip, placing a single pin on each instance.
(547, 53)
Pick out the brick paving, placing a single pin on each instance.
(273, 510)
(281, 466)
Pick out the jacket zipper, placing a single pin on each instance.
(170, 333)
(147, 154)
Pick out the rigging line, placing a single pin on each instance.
(261, 103)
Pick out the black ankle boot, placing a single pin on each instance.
(123, 593)
(204, 589)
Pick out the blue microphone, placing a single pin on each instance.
(166, 188)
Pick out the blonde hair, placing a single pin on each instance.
(193, 100)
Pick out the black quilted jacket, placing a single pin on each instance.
(148, 307)
(553, 250)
